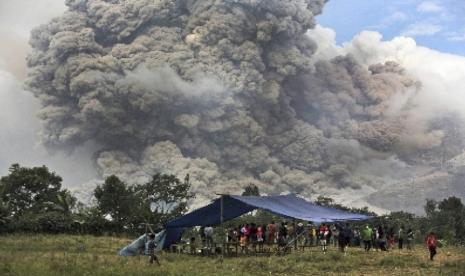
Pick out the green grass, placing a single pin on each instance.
(87, 255)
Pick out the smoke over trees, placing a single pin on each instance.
(229, 92)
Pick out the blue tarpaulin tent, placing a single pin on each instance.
(289, 206)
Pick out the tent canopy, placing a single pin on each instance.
(289, 206)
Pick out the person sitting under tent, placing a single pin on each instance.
(150, 249)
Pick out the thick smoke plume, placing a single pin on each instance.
(230, 92)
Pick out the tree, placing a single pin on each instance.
(453, 209)
(251, 190)
(116, 199)
(162, 188)
(430, 207)
(27, 190)
(324, 201)
(66, 202)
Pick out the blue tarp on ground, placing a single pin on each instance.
(137, 247)
(289, 206)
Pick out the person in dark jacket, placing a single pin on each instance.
(381, 239)
(401, 237)
(150, 246)
(346, 233)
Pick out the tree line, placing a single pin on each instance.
(33, 200)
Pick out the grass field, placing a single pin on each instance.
(86, 255)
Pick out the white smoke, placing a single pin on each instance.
(438, 107)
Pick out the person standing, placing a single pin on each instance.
(323, 233)
(300, 233)
(313, 235)
(271, 233)
(410, 239)
(346, 237)
(282, 234)
(208, 236)
(356, 236)
(260, 237)
(367, 235)
(150, 248)
(374, 239)
(381, 239)
(432, 243)
(335, 232)
(401, 236)
(202, 236)
(243, 243)
(391, 238)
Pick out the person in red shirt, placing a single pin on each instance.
(323, 232)
(431, 243)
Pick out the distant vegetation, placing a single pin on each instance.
(33, 200)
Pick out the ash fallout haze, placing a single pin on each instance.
(233, 92)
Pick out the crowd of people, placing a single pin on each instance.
(251, 236)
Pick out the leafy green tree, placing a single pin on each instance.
(26, 190)
(4, 215)
(453, 209)
(324, 201)
(116, 199)
(66, 202)
(430, 207)
(166, 189)
(251, 190)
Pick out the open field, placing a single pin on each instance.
(86, 255)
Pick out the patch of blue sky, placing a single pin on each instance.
(434, 24)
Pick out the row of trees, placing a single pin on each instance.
(33, 200)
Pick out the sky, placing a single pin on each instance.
(438, 25)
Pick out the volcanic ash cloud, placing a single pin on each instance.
(227, 91)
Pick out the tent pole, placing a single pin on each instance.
(222, 229)
(295, 235)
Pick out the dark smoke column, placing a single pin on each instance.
(226, 91)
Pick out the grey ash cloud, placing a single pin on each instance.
(227, 91)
